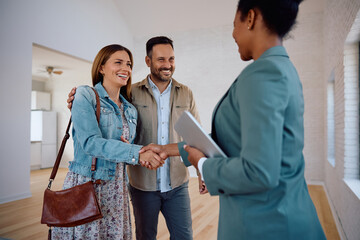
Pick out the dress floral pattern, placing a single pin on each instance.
(114, 202)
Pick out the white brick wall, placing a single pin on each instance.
(351, 111)
(207, 61)
(338, 19)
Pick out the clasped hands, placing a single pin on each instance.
(165, 151)
(152, 156)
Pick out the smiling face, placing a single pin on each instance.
(117, 69)
(161, 63)
(241, 35)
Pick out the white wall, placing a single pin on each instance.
(338, 19)
(207, 61)
(305, 48)
(60, 86)
(79, 28)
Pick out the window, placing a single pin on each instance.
(331, 120)
(351, 105)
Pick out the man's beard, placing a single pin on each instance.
(157, 74)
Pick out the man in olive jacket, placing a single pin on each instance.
(160, 100)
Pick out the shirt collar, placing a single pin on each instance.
(153, 86)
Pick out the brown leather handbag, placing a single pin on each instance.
(74, 206)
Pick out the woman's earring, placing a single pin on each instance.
(248, 27)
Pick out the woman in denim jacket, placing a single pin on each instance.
(108, 141)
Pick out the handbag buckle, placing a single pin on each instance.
(50, 182)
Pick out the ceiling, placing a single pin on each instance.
(152, 18)
(43, 57)
(157, 17)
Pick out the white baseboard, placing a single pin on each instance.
(35, 167)
(15, 197)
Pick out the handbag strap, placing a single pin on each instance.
(66, 137)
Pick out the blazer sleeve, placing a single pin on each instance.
(258, 100)
(88, 133)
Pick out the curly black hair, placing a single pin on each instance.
(279, 15)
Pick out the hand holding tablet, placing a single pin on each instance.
(195, 136)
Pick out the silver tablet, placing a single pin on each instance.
(195, 136)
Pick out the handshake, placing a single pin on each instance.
(153, 156)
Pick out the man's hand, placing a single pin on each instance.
(71, 98)
(164, 151)
(159, 149)
(150, 160)
(194, 155)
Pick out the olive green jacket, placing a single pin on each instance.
(181, 99)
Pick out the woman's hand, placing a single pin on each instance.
(150, 160)
(124, 140)
(194, 155)
(159, 149)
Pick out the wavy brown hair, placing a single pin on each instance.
(101, 58)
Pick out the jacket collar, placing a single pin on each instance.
(101, 90)
(103, 93)
(274, 51)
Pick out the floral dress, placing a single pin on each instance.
(114, 202)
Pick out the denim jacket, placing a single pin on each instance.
(101, 140)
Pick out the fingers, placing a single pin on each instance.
(72, 92)
(151, 160)
(194, 155)
(156, 161)
(71, 97)
(145, 164)
(159, 149)
(145, 148)
(153, 147)
(203, 189)
(163, 155)
(159, 159)
(124, 140)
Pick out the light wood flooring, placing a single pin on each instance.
(21, 219)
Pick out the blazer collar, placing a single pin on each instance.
(274, 51)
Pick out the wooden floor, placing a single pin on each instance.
(21, 219)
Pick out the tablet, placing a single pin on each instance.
(195, 136)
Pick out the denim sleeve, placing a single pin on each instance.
(88, 135)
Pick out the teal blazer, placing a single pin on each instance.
(258, 123)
